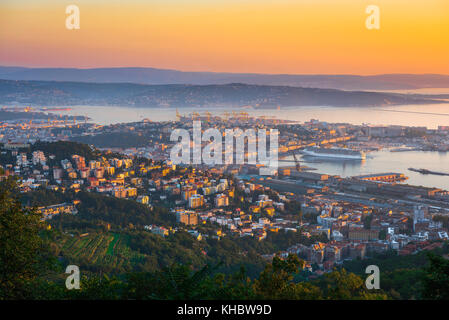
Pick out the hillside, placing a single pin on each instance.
(235, 95)
(166, 76)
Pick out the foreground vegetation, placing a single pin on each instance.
(120, 262)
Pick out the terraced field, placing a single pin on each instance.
(108, 251)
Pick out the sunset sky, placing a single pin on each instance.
(277, 36)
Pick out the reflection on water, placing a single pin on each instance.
(433, 116)
(418, 91)
(377, 162)
(385, 161)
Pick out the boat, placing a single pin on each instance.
(427, 171)
(336, 153)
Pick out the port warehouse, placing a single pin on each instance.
(309, 182)
(371, 184)
(392, 189)
(388, 177)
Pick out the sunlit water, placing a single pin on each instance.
(386, 161)
(430, 116)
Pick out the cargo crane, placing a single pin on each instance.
(195, 116)
(208, 115)
(298, 166)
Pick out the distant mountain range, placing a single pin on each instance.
(54, 93)
(164, 76)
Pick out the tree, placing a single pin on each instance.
(178, 282)
(436, 278)
(367, 220)
(20, 244)
(343, 285)
(276, 281)
(98, 287)
(236, 286)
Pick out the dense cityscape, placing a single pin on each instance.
(351, 218)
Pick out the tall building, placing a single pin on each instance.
(94, 164)
(57, 173)
(188, 193)
(419, 213)
(119, 192)
(39, 158)
(196, 201)
(187, 217)
(99, 172)
(84, 173)
(221, 200)
(22, 160)
(131, 192)
(80, 162)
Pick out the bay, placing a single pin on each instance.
(430, 116)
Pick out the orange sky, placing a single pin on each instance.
(276, 36)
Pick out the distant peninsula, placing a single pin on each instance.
(58, 93)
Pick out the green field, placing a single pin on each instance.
(109, 251)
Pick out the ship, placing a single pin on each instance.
(427, 171)
(336, 153)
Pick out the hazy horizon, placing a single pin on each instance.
(220, 71)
